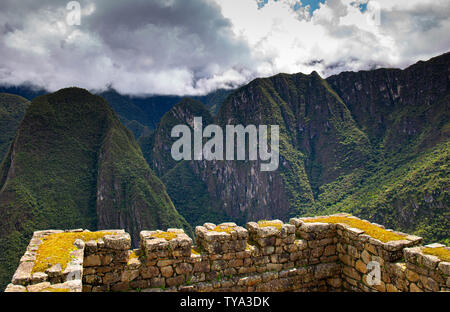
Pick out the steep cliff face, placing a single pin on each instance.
(399, 106)
(129, 194)
(319, 141)
(182, 179)
(72, 164)
(406, 116)
(316, 127)
(373, 143)
(181, 114)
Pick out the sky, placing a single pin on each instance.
(193, 47)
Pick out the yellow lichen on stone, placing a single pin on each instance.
(195, 251)
(442, 253)
(56, 248)
(265, 223)
(133, 255)
(166, 235)
(55, 289)
(369, 228)
(224, 228)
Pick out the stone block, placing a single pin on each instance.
(22, 276)
(120, 241)
(154, 247)
(221, 239)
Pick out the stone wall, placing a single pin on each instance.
(266, 256)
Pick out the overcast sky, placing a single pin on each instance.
(188, 47)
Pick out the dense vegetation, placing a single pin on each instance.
(12, 110)
(190, 195)
(374, 143)
(371, 143)
(74, 165)
(142, 114)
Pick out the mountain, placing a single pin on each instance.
(214, 100)
(72, 164)
(28, 92)
(406, 115)
(12, 110)
(187, 191)
(372, 143)
(147, 111)
(239, 188)
(184, 111)
(142, 114)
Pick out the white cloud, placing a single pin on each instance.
(339, 36)
(193, 47)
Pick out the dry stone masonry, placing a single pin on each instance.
(307, 254)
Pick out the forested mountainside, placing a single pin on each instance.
(12, 110)
(72, 164)
(140, 114)
(373, 143)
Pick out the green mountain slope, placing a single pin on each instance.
(406, 115)
(142, 114)
(12, 110)
(182, 113)
(411, 195)
(188, 192)
(373, 143)
(73, 165)
(190, 195)
(214, 100)
(238, 190)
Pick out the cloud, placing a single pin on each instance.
(339, 35)
(164, 47)
(193, 47)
